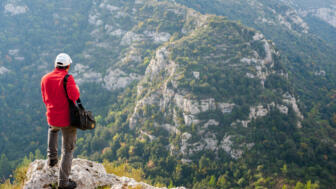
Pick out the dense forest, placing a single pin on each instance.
(185, 93)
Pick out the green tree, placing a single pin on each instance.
(212, 181)
(284, 169)
(5, 167)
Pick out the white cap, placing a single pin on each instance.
(63, 59)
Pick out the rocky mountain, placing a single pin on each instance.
(188, 97)
(197, 95)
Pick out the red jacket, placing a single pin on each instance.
(54, 97)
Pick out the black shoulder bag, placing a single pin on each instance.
(79, 117)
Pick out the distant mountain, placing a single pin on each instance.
(190, 98)
(313, 17)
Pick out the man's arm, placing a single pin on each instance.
(42, 91)
(72, 89)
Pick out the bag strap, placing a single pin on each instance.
(65, 81)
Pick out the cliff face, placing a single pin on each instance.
(87, 174)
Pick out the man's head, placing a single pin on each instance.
(63, 61)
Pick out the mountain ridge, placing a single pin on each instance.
(161, 65)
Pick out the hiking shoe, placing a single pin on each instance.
(52, 162)
(71, 185)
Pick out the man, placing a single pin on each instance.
(58, 117)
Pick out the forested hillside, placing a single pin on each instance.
(31, 35)
(185, 97)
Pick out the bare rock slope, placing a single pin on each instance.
(87, 174)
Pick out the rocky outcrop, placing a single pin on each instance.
(156, 37)
(3, 70)
(113, 80)
(326, 14)
(83, 74)
(210, 142)
(13, 9)
(15, 54)
(291, 19)
(116, 79)
(264, 65)
(291, 100)
(262, 110)
(87, 174)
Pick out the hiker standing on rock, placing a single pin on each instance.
(58, 117)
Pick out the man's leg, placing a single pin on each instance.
(68, 146)
(52, 145)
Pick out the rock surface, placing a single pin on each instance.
(13, 9)
(326, 14)
(3, 70)
(87, 174)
